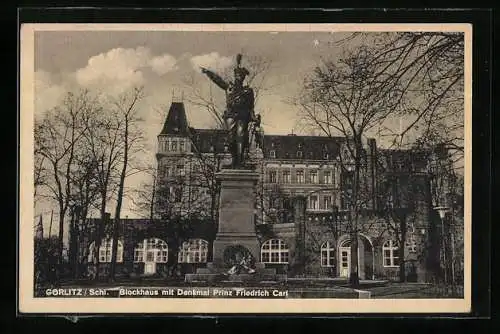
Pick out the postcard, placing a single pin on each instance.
(245, 168)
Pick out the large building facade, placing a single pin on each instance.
(302, 211)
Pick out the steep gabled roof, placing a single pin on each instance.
(208, 140)
(311, 147)
(176, 122)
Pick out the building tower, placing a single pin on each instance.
(173, 162)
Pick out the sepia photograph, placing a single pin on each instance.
(219, 168)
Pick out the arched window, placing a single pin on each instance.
(151, 250)
(105, 251)
(274, 251)
(327, 254)
(390, 250)
(193, 251)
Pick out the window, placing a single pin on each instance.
(327, 202)
(326, 156)
(286, 177)
(300, 176)
(390, 249)
(314, 176)
(327, 254)
(274, 251)
(168, 171)
(181, 146)
(178, 195)
(412, 245)
(272, 154)
(166, 145)
(180, 170)
(313, 202)
(174, 145)
(272, 176)
(193, 251)
(299, 154)
(151, 250)
(105, 251)
(327, 177)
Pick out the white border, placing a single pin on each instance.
(29, 304)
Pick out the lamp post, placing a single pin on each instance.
(442, 210)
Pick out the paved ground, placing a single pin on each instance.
(413, 290)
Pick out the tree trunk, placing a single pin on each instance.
(119, 201)
(354, 275)
(61, 236)
(99, 233)
(73, 254)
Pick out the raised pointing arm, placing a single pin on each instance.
(215, 78)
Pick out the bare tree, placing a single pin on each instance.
(348, 98)
(144, 196)
(104, 145)
(418, 76)
(39, 166)
(430, 69)
(56, 139)
(84, 197)
(127, 112)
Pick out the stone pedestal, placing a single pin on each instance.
(236, 213)
(236, 228)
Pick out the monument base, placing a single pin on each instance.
(216, 274)
(236, 237)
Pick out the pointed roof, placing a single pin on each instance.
(176, 122)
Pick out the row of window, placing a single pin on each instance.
(196, 251)
(173, 145)
(314, 203)
(300, 177)
(154, 250)
(299, 154)
(169, 171)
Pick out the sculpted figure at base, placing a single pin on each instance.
(239, 112)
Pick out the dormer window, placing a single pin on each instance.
(326, 156)
(299, 154)
(272, 154)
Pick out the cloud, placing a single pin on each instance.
(163, 64)
(119, 68)
(48, 93)
(212, 61)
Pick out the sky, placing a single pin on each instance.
(161, 61)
